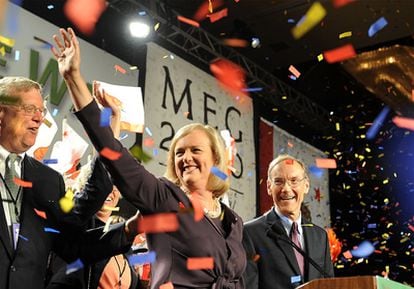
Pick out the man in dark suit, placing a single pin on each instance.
(32, 223)
(272, 260)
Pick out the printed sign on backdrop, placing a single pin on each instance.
(178, 93)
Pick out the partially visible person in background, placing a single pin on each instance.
(272, 260)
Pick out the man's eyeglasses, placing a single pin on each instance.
(31, 109)
(293, 182)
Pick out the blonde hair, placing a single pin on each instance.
(215, 184)
(12, 84)
(281, 158)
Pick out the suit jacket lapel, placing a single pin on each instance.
(286, 248)
(4, 233)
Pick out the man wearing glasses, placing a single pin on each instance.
(274, 240)
(32, 224)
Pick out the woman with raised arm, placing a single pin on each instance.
(194, 151)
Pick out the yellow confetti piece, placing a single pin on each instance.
(66, 204)
(109, 208)
(312, 17)
(385, 181)
(7, 41)
(320, 57)
(157, 26)
(337, 126)
(47, 123)
(3, 51)
(345, 34)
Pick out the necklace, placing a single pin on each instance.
(121, 272)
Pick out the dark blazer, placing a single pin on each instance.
(26, 266)
(276, 263)
(193, 239)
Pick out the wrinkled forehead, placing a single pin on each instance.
(287, 166)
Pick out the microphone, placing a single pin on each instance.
(277, 232)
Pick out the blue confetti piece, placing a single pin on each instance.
(51, 230)
(317, 172)
(145, 258)
(377, 124)
(291, 20)
(124, 136)
(147, 129)
(105, 117)
(155, 152)
(377, 26)
(253, 89)
(55, 112)
(24, 238)
(292, 77)
(249, 174)
(372, 226)
(17, 55)
(218, 173)
(74, 266)
(50, 161)
(364, 250)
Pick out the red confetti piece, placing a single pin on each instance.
(411, 227)
(325, 163)
(84, 14)
(235, 42)
(110, 154)
(339, 54)
(404, 122)
(256, 258)
(22, 183)
(203, 10)
(41, 214)
(200, 263)
(149, 142)
(412, 95)
(159, 223)
(167, 285)
(188, 21)
(120, 69)
(340, 3)
(198, 208)
(294, 71)
(289, 162)
(181, 205)
(230, 76)
(218, 15)
(347, 254)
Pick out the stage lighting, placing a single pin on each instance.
(139, 29)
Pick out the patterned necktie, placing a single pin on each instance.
(294, 235)
(13, 188)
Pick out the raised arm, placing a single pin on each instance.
(67, 54)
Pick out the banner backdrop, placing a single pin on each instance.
(178, 93)
(317, 200)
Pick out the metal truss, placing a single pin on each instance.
(204, 47)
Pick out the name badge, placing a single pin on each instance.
(295, 279)
(16, 232)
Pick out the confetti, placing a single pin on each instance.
(159, 223)
(230, 76)
(138, 259)
(235, 42)
(403, 122)
(218, 173)
(51, 230)
(340, 3)
(204, 10)
(363, 250)
(105, 119)
(84, 14)
(138, 153)
(41, 214)
(110, 154)
(22, 183)
(378, 122)
(345, 34)
(377, 26)
(294, 71)
(339, 54)
(74, 266)
(325, 163)
(313, 16)
(218, 15)
(120, 69)
(50, 161)
(188, 21)
(200, 263)
(7, 41)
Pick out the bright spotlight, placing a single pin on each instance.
(139, 29)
